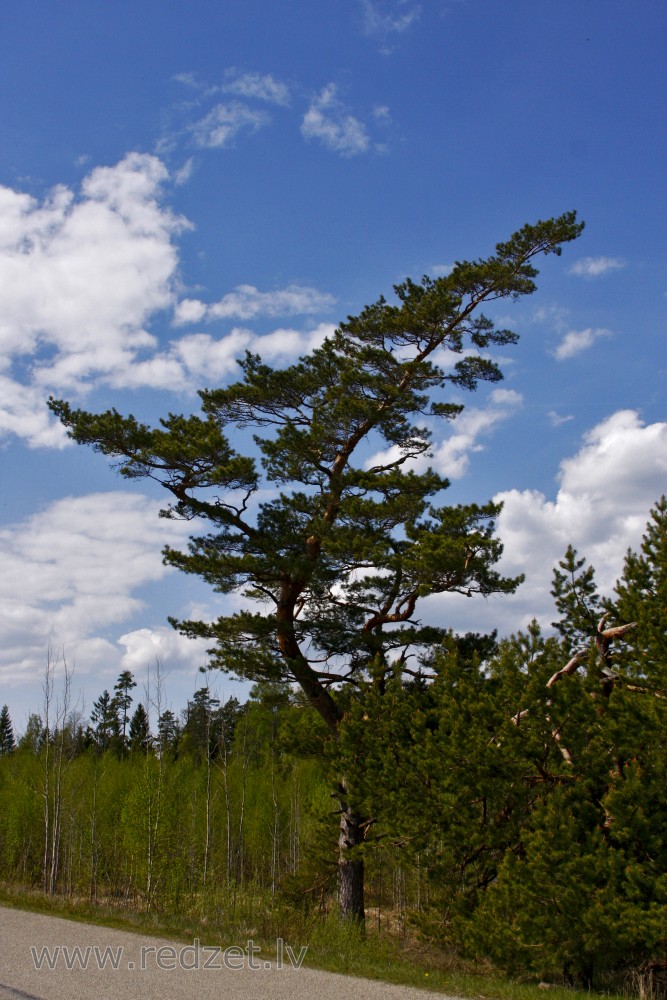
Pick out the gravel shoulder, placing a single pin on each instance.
(49, 958)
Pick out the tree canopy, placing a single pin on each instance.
(334, 561)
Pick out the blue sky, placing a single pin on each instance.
(181, 181)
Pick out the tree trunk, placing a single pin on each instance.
(350, 869)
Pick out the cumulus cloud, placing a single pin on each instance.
(71, 573)
(224, 122)
(145, 646)
(205, 358)
(602, 505)
(82, 274)
(595, 267)
(576, 341)
(199, 359)
(247, 302)
(85, 273)
(24, 414)
(328, 121)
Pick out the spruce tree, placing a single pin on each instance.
(198, 729)
(168, 734)
(139, 732)
(7, 741)
(107, 728)
(336, 560)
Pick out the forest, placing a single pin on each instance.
(516, 793)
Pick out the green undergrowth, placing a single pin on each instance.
(332, 946)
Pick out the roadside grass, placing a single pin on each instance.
(332, 946)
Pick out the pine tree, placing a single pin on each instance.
(641, 596)
(587, 893)
(576, 598)
(123, 700)
(346, 547)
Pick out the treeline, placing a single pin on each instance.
(213, 802)
(516, 792)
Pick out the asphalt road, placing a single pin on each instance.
(47, 958)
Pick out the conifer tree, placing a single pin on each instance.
(168, 734)
(107, 724)
(139, 732)
(575, 595)
(198, 730)
(123, 700)
(7, 741)
(641, 596)
(347, 544)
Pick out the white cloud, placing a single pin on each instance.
(556, 420)
(259, 86)
(606, 491)
(247, 302)
(187, 80)
(189, 363)
(381, 114)
(85, 274)
(451, 458)
(81, 275)
(199, 359)
(189, 311)
(441, 270)
(23, 413)
(576, 341)
(286, 343)
(206, 360)
(389, 17)
(221, 126)
(183, 175)
(70, 575)
(328, 121)
(595, 267)
(145, 646)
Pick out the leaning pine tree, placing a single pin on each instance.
(334, 564)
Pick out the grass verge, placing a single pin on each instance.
(332, 947)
